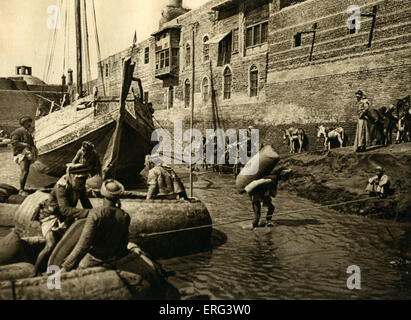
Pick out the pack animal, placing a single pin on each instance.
(404, 120)
(376, 125)
(296, 139)
(389, 122)
(331, 134)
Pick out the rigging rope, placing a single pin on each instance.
(65, 35)
(53, 48)
(86, 49)
(100, 66)
(90, 89)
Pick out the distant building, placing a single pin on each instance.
(19, 96)
(255, 62)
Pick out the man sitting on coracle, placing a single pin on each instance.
(163, 182)
(59, 211)
(379, 184)
(105, 234)
(88, 156)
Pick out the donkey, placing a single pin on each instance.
(404, 120)
(331, 134)
(376, 123)
(294, 137)
(389, 121)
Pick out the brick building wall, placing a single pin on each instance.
(291, 89)
(18, 103)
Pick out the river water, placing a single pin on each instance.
(304, 256)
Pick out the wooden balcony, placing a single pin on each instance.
(166, 72)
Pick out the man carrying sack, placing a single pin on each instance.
(261, 191)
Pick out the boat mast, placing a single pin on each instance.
(79, 50)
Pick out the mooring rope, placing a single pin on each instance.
(251, 219)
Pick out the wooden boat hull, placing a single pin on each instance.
(133, 277)
(119, 128)
(163, 228)
(57, 150)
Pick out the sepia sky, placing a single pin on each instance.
(24, 34)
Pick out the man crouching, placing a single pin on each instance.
(105, 234)
(163, 182)
(379, 185)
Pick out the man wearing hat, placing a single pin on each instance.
(24, 150)
(163, 182)
(105, 234)
(71, 188)
(59, 211)
(362, 135)
(88, 156)
(379, 184)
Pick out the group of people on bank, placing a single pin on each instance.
(378, 124)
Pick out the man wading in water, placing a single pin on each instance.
(24, 150)
(261, 191)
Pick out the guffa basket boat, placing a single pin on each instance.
(135, 276)
(163, 228)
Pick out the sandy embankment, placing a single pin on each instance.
(341, 175)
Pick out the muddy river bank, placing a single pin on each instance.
(341, 175)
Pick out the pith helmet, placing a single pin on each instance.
(111, 189)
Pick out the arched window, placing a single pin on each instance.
(170, 97)
(205, 89)
(187, 94)
(253, 81)
(206, 55)
(227, 83)
(188, 55)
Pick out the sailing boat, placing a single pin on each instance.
(120, 128)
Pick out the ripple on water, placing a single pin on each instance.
(305, 256)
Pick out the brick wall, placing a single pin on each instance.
(292, 89)
(16, 104)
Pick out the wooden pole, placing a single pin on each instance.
(374, 17)
(192, 115)
(313, 42)
(79, 49)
